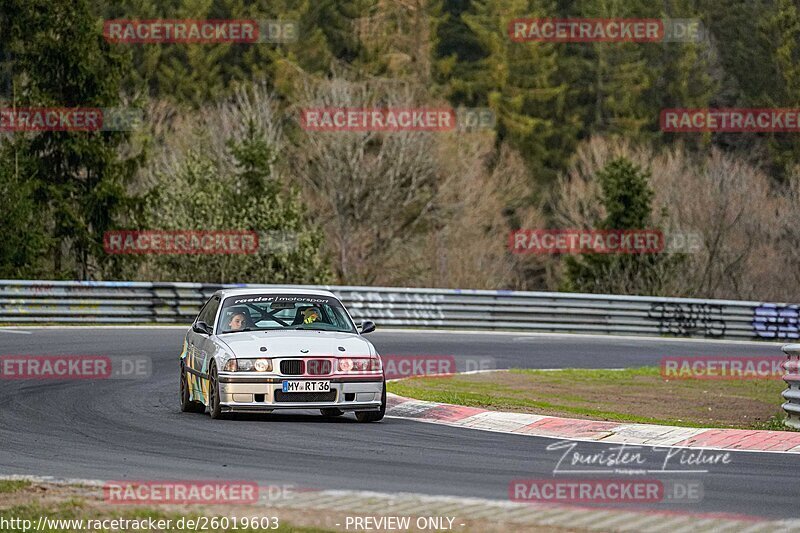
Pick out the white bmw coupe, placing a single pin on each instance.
(252, 350)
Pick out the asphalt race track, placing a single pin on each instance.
(133, 429)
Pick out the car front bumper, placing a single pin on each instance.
(257, 394)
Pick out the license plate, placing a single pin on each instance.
(306, 386)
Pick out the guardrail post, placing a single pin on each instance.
(792, 379)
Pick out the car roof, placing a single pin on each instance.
(268, 289)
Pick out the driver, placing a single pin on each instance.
(310, 315)
(237, 321)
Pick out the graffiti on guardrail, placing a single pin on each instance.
(39, 289)
(84, 289)
(688, 319)
(391, 297)
(420, 314)
(37, 308)
(773, 321)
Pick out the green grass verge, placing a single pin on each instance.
(637, 395)
(8, 486)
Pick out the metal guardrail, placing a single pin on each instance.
(23, 301)
(792, 379)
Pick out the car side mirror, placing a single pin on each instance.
(367, 326)
(201, 327)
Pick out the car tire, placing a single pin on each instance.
(331, 412)
(214, 407)
(374, 416)
(187, 405)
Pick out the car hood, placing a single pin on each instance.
(294, 343)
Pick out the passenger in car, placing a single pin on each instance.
(237, 322)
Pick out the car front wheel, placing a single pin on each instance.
(214, 407)
(374, 416)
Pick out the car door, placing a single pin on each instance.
(205, 343)
(200, 348)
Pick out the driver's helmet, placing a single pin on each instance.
(311, 315)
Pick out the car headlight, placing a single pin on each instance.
(248, 365)
(355, 365)
(263, 365)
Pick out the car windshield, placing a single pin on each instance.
(261, 312)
